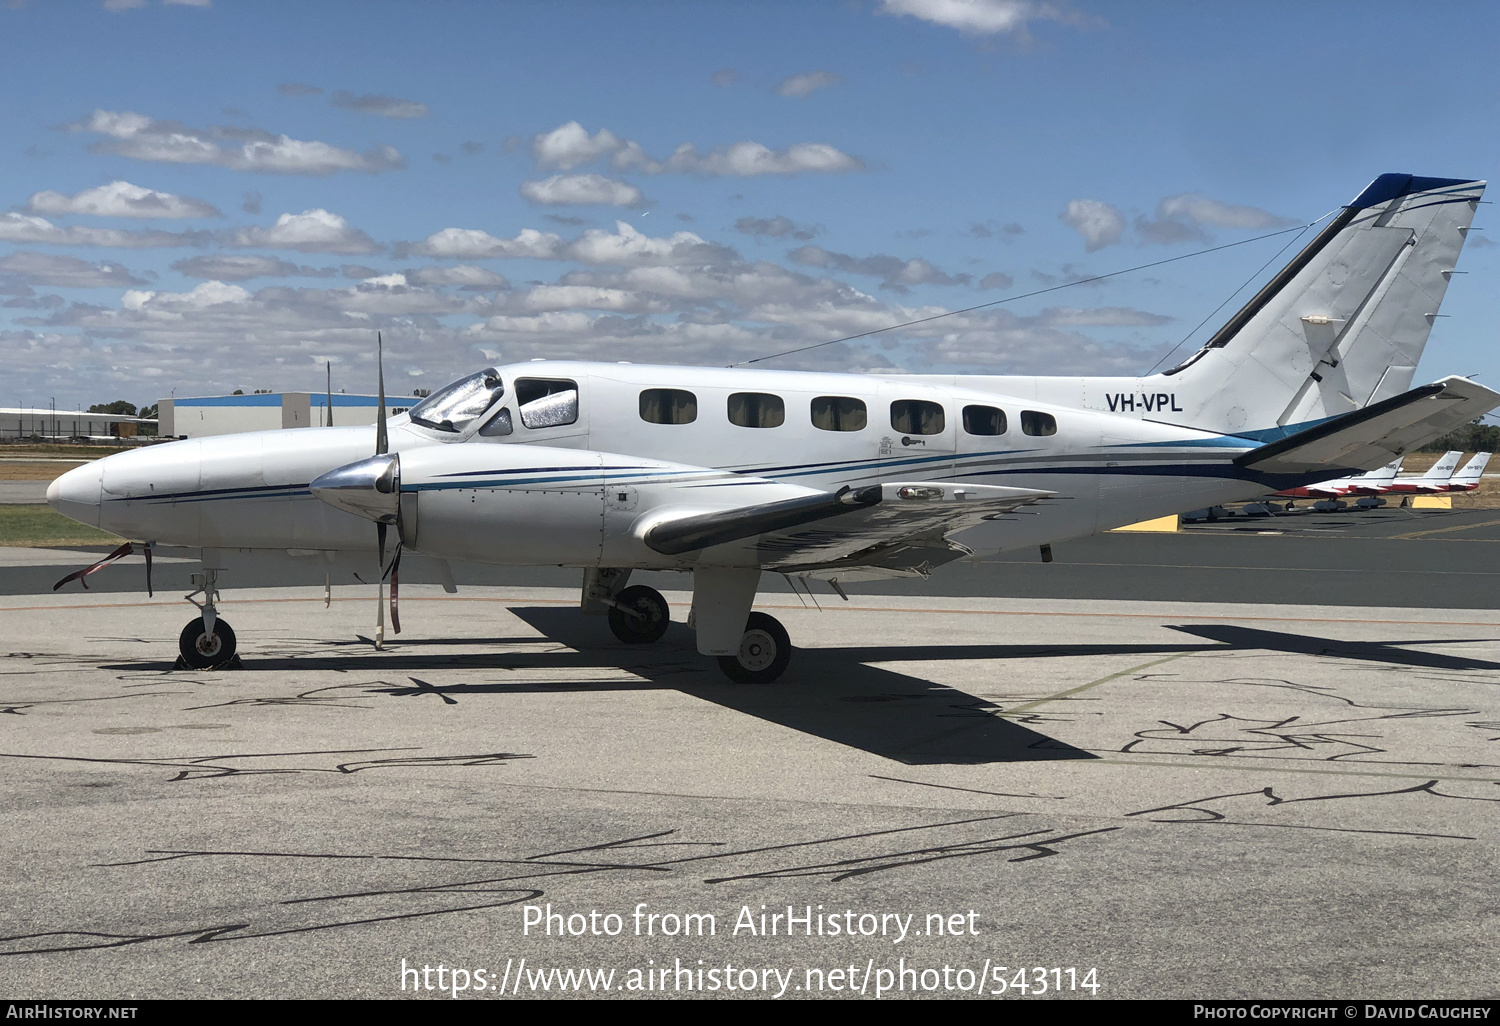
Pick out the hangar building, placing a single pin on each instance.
(266, 411)
(18, 423)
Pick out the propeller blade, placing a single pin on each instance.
(382, 443)
(147, 549)
(328, 366)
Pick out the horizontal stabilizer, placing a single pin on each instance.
(1368, 438)
(852, 520)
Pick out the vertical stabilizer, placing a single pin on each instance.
(1339, 328)
(1442, 471)
(1467, 479)
(1344, 324)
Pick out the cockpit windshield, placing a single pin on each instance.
(454, 407)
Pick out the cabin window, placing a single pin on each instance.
(547, 402)
(498, 426)
(1034, 423)
(756, 410)
(668, 406)
(917, 417)
(984, 420)
(838, 413)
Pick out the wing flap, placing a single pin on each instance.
(1369, 438)
(818, 530)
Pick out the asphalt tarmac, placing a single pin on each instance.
(1191, 799)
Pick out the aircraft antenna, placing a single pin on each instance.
(1027, 295)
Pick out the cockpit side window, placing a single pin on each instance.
(547, 402)
(499, 425)
(456, 406)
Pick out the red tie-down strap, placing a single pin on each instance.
(123, 550)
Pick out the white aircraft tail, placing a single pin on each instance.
(1339, 328)
(1382, 475)
(1468, 478)
(1442, 471)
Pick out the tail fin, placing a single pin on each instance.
(1467, 479)
(1382, 475)
(1442, 470)
(1344, 324)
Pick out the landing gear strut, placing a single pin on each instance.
(764, 652)
(638, 615)
(207, 641)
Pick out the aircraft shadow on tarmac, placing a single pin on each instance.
(1371, 651)
(830, 693)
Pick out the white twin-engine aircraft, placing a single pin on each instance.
(729, 473)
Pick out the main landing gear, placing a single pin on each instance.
(207, 642)
(750, 647)
(764, 652)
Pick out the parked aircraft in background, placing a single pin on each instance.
(730, 473)
(1467, 479)
(1433, 482)
(1371, 483)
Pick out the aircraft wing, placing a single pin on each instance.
(889, 529)
(1368, 438)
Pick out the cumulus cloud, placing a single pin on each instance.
(561, 190)
(628, 247)
(64, 271)
(465, 277)
(778, 227)
(806, 83)
(251, 203)
(312, 231)
(385, 106)
(242, 149)
(241, 267)
(16, 227)
(748, 159)
(985, 17)
(1183, 218)
(895, 272)
(996, 280)
(473, 244)
(570, 145)
(1099, 223)
(120, 199)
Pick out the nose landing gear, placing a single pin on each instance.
(639, 615)
(207, 642)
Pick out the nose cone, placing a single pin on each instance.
(370, 488)
(76, 494)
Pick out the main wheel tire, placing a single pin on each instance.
(764, 652)
(640, 615)
(201, 650)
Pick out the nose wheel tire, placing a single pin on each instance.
(639, 616)
(764, 652)
(200, 650)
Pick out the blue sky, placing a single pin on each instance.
(207, 196)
